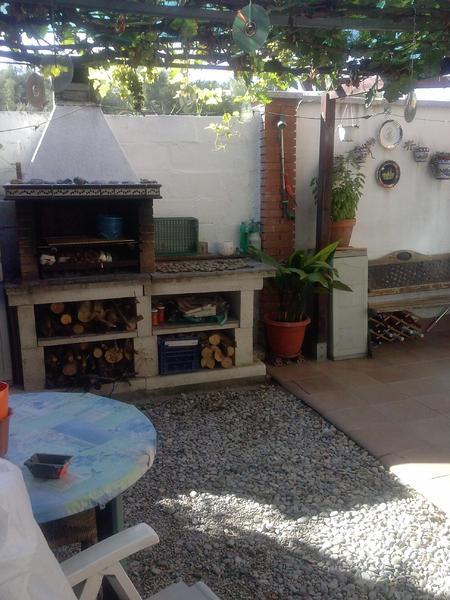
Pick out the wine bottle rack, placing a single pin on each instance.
(388, 327)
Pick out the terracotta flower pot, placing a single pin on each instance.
(4, 434)
(342, 231)
(4, 394)
(285, 339)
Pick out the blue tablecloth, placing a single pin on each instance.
(113, 444)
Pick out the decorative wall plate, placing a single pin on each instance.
(390, 134)
(388, 174)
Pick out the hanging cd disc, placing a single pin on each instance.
(410, 107)
(35, 90)
(251, 27)
(63, 70)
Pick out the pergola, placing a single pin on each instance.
(347, 46)
(325, 40)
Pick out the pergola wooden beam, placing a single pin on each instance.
(403, 22)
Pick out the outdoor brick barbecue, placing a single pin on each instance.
(81, 312)
(81, 293)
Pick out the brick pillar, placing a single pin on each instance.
(277, 231)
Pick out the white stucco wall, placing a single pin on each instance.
(219, 187)
(415, 215)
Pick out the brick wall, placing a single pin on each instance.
(277, 231)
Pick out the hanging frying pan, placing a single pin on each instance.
(35, 90)
(410, 107)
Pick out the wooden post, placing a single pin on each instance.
(326, 152)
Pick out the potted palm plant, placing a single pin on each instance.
(347, 189)
(304, 272)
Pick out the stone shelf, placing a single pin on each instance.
(192, 327)
(90, 337)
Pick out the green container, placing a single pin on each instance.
(176, 236)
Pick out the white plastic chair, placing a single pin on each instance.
(29, 570)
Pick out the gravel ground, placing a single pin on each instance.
(260, 497)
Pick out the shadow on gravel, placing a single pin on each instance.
(242, 484)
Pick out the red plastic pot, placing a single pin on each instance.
(4, 433)
(285, 339)
(4, 395)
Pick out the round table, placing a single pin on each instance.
(113, 444)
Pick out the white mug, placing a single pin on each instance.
(226, 248)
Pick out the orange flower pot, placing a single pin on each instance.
(4, 395)
(342, 231)
(4, 434)
(285, 339)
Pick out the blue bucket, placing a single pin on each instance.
(109, 227)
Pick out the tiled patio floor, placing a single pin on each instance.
(396, 405)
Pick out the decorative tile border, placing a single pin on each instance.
(33, 191)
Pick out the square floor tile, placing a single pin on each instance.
(357, 417)
(377, 393)
(417, 387)
(384, 439)
(439, 402)
(331, 401)
(406, 410)
(435, 430)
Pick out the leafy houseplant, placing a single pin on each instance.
(440, 165)
(346, 192)
(303, 273)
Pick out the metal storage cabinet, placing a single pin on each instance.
(5, 353)
(349, 322)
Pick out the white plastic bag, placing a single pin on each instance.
(28, 568)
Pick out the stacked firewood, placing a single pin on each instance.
(80, 363)
(94, 317)
(217, 350)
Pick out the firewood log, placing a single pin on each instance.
(98, 312)
(66, 319)
(78, 328)
(57, 308)
(207, 352)
(52, 360)
(225, 339)
(128, 351)
(214, 339)
(113, 355)
(131, 326)
(230, 351)
(208, 363)
(219, 357)
(107, 324)
(226, 362)
(70, 369)
(103, 368)
(84, 312)
(46, 327)
(97, 352)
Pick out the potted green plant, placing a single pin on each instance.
(440, 165)
(347, 189)
(304, 272)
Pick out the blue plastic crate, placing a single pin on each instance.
(178, 354)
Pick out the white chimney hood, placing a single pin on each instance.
(78, 142)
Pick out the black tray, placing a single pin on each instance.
(48, 466)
